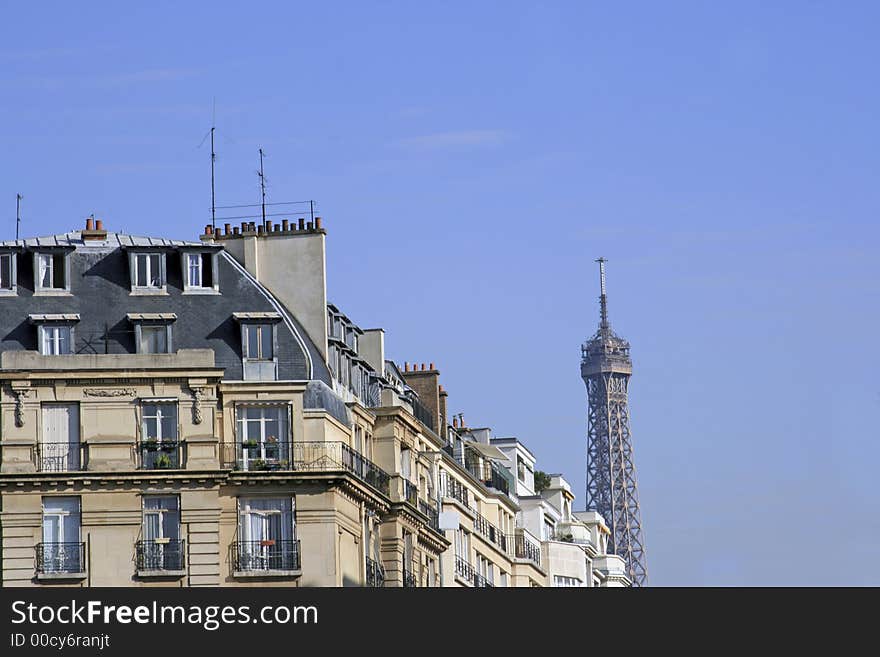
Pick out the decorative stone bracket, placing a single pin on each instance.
(197, 392)
(20, 395)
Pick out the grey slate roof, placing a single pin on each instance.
(74, 239)
(100, 295)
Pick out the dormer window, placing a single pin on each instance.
(8, 273)
(200, 272)
(51, 269)
(55, 333)
(148, 272)
(152, 332)
(258, 345)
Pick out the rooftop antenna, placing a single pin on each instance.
(18, 198)
(213, 159)
(262, 187)
(603, 302)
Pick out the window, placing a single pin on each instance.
(61, 550)
(51, 271)
(161, 547)
(267, 534)
(263, 437)
(502, 581)
(56, 339)
(7, 272)
(258, 344)
(198, 271)
(159, 422)
(59, 449)
(154, 338)
(562, 581)
(148, 271)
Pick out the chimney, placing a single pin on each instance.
(235, 230)
(94, 230)
(302, 223)
(268, 225)
(455, 422)
(285, 225)
(317, 223)
(226, 229)
(426, 384)
(444, 428)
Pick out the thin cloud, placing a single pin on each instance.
(455, 139)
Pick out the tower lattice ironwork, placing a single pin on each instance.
(612, 489)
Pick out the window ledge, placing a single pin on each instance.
(148, 292)
(266, 573)
(201, 290)
(8, 293)
(49, 577)
(53, 293)
(161, 573)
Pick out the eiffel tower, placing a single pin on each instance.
(612, 489)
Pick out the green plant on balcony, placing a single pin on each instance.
(163, 461)
(249, 443)
(151, 444)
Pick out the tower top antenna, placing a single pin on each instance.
(603, 300)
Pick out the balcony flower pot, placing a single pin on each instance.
(250, 444)
(267, 543)
(151, 445)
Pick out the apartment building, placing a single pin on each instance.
(178, 413)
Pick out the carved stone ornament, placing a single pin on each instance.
(197, 404)
(20, 396)
(109, 392)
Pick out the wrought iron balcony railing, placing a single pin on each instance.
(525, 548)
(430, 510)
(159, 455)
(375, 574)
(409, 580)
(306, 456)
(481, 582)
(160, 554)
(58, 558)
(410, 492)
(421, 412)
(60, 456)
(268, 555)
(457, 491)
(464, 570)
(490, 532)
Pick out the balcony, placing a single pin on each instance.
(375, 574)
(422, 414)
(525, 548)
(457, 491)
(155, 455)
(310, 456)
(266, 558)
(254, 456)
(160, 557)
(411, 492)
(484, 469)
(481, 582)
(490, 532)
(61, 560)
(409, 580)
(430, 510)
(60, 456)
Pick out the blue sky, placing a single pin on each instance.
(471, 160)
